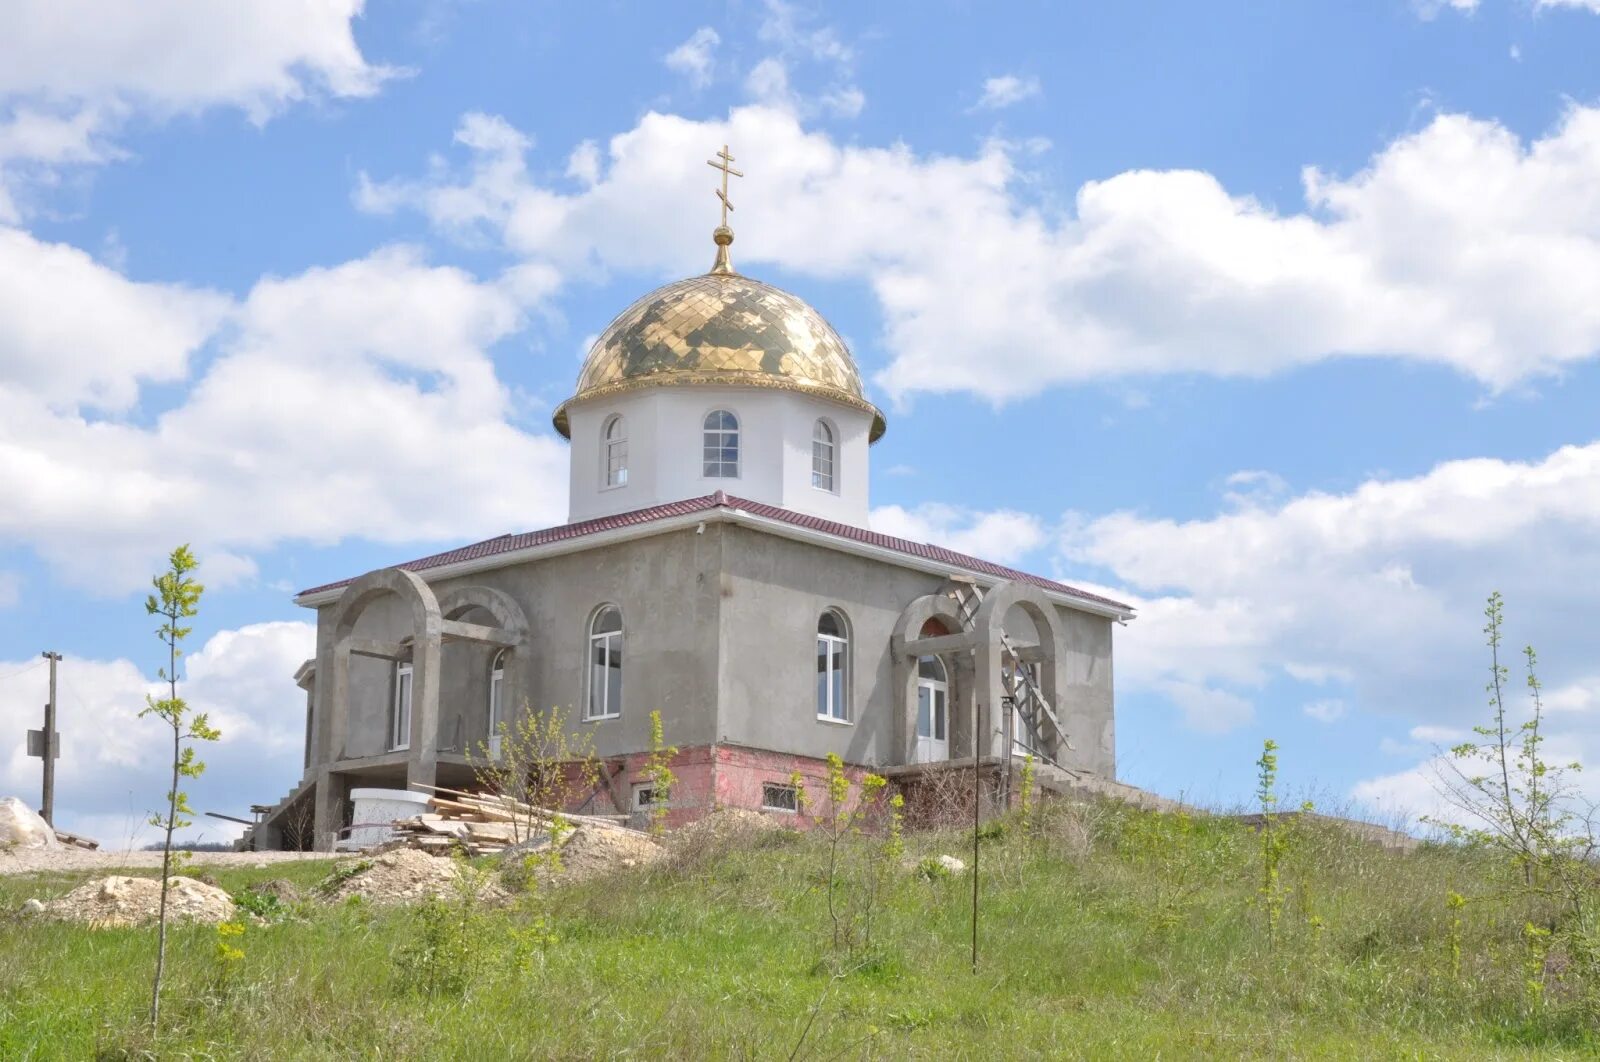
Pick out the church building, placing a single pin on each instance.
(718, 567)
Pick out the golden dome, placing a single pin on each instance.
(721, 330)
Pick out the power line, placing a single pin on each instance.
(22, 671)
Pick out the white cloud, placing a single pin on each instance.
(1003, 536)
(111, 772)
(1379, 589)
(1582, 5)
(1324, 711)
(72, 71)
(1156, 272)
(695, 58)
(73, 332)
(10, 588)
(354, 401)
(1006, 90)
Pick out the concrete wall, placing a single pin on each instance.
(665, 433)
(719, 635)
(774, 590)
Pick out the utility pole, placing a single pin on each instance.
(47, 812)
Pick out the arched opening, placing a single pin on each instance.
(497, 685)
(605, 665)
(615, 451)
(720, 445)
(833, 664)
(823, 457)
(933, 711)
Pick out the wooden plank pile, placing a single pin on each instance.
(482, 823)
(72, 840)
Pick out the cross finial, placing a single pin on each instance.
(723, 235)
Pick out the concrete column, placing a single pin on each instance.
(328, 809)
(904, 734)
(422, 764)
(987, 691)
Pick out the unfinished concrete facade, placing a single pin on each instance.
(723, 578)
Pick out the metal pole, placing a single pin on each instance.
(48, 810)
(977, 790)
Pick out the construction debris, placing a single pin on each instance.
(22, 827)
(72, 840)
(485, 823)
(126, 901)
(403, 876)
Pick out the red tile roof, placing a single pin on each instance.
(706, 503)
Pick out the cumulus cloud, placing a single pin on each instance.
(1153, 272)
(1380, 588)
(1006, 90)
(1324, 711)
(71, 71)
(1001, 535)
(110, 774)
(695, 57)
(358, 400)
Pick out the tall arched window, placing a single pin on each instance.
(720, 452)
(822, 456)
(497, 685)
(605, 665)
(616, 452)
(400, 713)
(933, 711)
(833, 652)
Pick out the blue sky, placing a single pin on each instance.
(1282, 325)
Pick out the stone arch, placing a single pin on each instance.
(908, 628)
(989, 625)
(506, 614)
(407, 586)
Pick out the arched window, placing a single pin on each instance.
(720, 452)
(605, 665)
(833, 651)
(822, 456)
(933, 711)
(497, 685)
(400, 713)
(616, 452)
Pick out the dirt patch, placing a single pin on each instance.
(404, 875)
(125, 901)
(595, 851)
(283, 890)
(723, 827)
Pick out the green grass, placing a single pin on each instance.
(1111, 934)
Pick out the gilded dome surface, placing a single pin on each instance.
(721, 329)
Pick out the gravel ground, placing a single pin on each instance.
(33, 860)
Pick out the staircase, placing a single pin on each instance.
(1027, 700)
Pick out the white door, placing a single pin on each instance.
(933, 711)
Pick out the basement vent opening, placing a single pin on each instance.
(779, 798)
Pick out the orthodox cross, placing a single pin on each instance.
(727, 169)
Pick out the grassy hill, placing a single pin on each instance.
(1105, 933)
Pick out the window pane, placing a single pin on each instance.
(614, 680)
(829, 624)
(840, 706)
(608, 620)
(924, 712)
(822, 677)
(940, 710)
(597, 679)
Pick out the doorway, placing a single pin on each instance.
(933, 711)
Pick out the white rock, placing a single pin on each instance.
(952, 864)
(32, 907)
(21, 827)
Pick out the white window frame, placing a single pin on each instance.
(723, 435)
(614, 453)
(497, 689)
(829, 711)
(824, 457)
(400, 710)
(785, 787)
(938, 705)
(644, 796)
(603, 640)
